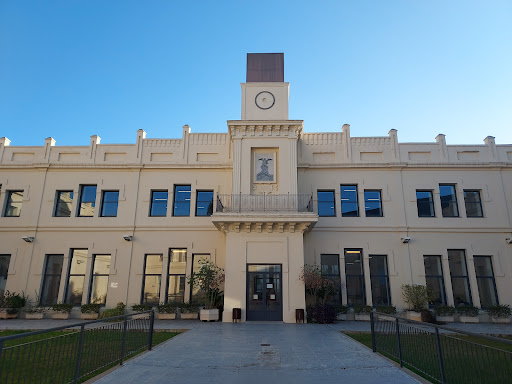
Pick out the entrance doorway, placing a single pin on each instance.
(264, 292)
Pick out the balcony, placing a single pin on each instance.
(266, 203)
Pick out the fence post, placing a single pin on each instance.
(79, 354)
(399, 343)
(440, 353)
(151, 325)
(372, 325)
(239, 202)
(123, 347)
(1, 365)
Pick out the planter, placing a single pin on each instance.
(362, 317)
(386, 318)
(89, 316)
(189, 316)
(4, 315)
(412, 315)
(469, 319)
(60, 316)
(209, 314)
(34, 316)
(446, 319)
(346, 317)
(166, 316)
(500, 320)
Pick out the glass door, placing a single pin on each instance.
(264, 292)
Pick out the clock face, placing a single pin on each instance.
(265, 100)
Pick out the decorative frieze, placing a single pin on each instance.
(288, 128)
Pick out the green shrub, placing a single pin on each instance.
(341, 309)
(444, 310)
(141, 307)
(168, 308)
(417, 296)
(362, 309)
(468, 310)
(111, 312)
(189, 308)
(499, 310)
(322, 314)
(12, 302)
(91, 308)
(62, 308)
(388, 309)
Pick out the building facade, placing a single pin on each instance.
(129, 222)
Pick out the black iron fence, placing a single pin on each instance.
(264, 203)
(74, 352)
(442, 354)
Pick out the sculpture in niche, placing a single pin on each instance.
(264, 167)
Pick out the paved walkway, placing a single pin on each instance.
(259, 353)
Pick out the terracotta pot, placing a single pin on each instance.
(166, 316)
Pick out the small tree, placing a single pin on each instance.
(417, 296)
(208, 279)
(318, 286)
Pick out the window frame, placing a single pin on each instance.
(169, 274)
(438, 277)
(6, 275)
(103, 193)
(192, 298)
(492, 278)
(431, 203)
(45, 281)
(386, 276)
(347, 275)
(151, 201)
(380, 203)
(174, 195)
(479, 202)
(333, 201)
(333, 277)
(81, 201)
(69, 275)
(198, 191)
(144, 275)
(57, 202)
(466, 277)
(93, 275)
(350, 202)
(455, 201)
(8, 201)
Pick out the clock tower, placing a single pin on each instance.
(265, 94)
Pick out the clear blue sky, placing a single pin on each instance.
(72, 69)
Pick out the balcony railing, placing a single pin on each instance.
(264, 203)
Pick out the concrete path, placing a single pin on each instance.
(259, 353)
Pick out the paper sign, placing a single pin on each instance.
(272, 297)
(270, 286)
(255, 297)
(114, 285)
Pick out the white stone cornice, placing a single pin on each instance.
(264, 223)
(248, 128)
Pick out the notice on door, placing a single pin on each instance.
(270, 286)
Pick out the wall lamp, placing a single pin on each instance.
(28, 239)
(128, 237)
(509, 240)
(406, 239)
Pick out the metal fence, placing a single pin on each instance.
(264, 203)
(76, 352)
(442, 354)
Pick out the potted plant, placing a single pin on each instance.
(118, 310)
(90, 311)
(209, 279)
(10, 304)
(61, 311)
(343, 313)
(362, 312)
(33, 310)
(189, 311)
(319, 288)
(387, 309)
(416, 297)
(167, 311)
(141, 307)
(468, 313)
(445, 313)
(499, 313)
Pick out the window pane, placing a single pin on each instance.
(4, 270)
(380, 290)
(330, 265)
(378, 265)
(349, 206)
(177, 261)
(434, 278)
(54, 264)
(110, 203)
(13, 206)
(437, 285)
(101, 265)
(355, 290)
(372, 203)
(353, 262)
(75, 290)
(473, 203)
(159, 203)
(176, 290)
(99, 290)
(50, 290)
(457, 261)
(461, 294)
(151, 294)
(64, 203)
(196, 294)
(448, 201)
(485, 281)
(87, 200)
(425, 203)
(181, 200)
(204, 203)
(326, 203)
(433, 265)
(78, 262)
(153, 264)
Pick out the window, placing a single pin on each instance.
(152, 279)
(99, 279)
(13, 203)
(63, 203)
(485, 280)
(196, 295)
(349, 205)
(158, 203)
(473, 203)
(425, 203)
(4, 270)
(448, 200)
(434, 277)
(181, 200)
(109, 203)
(76, 276)
(87, 200)
(204, 203)
(380, 280)
(372, 203)
(331, 270)
(176, 281)
(355, 277)
(326, 205)
(459, 275)
(51, 279)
